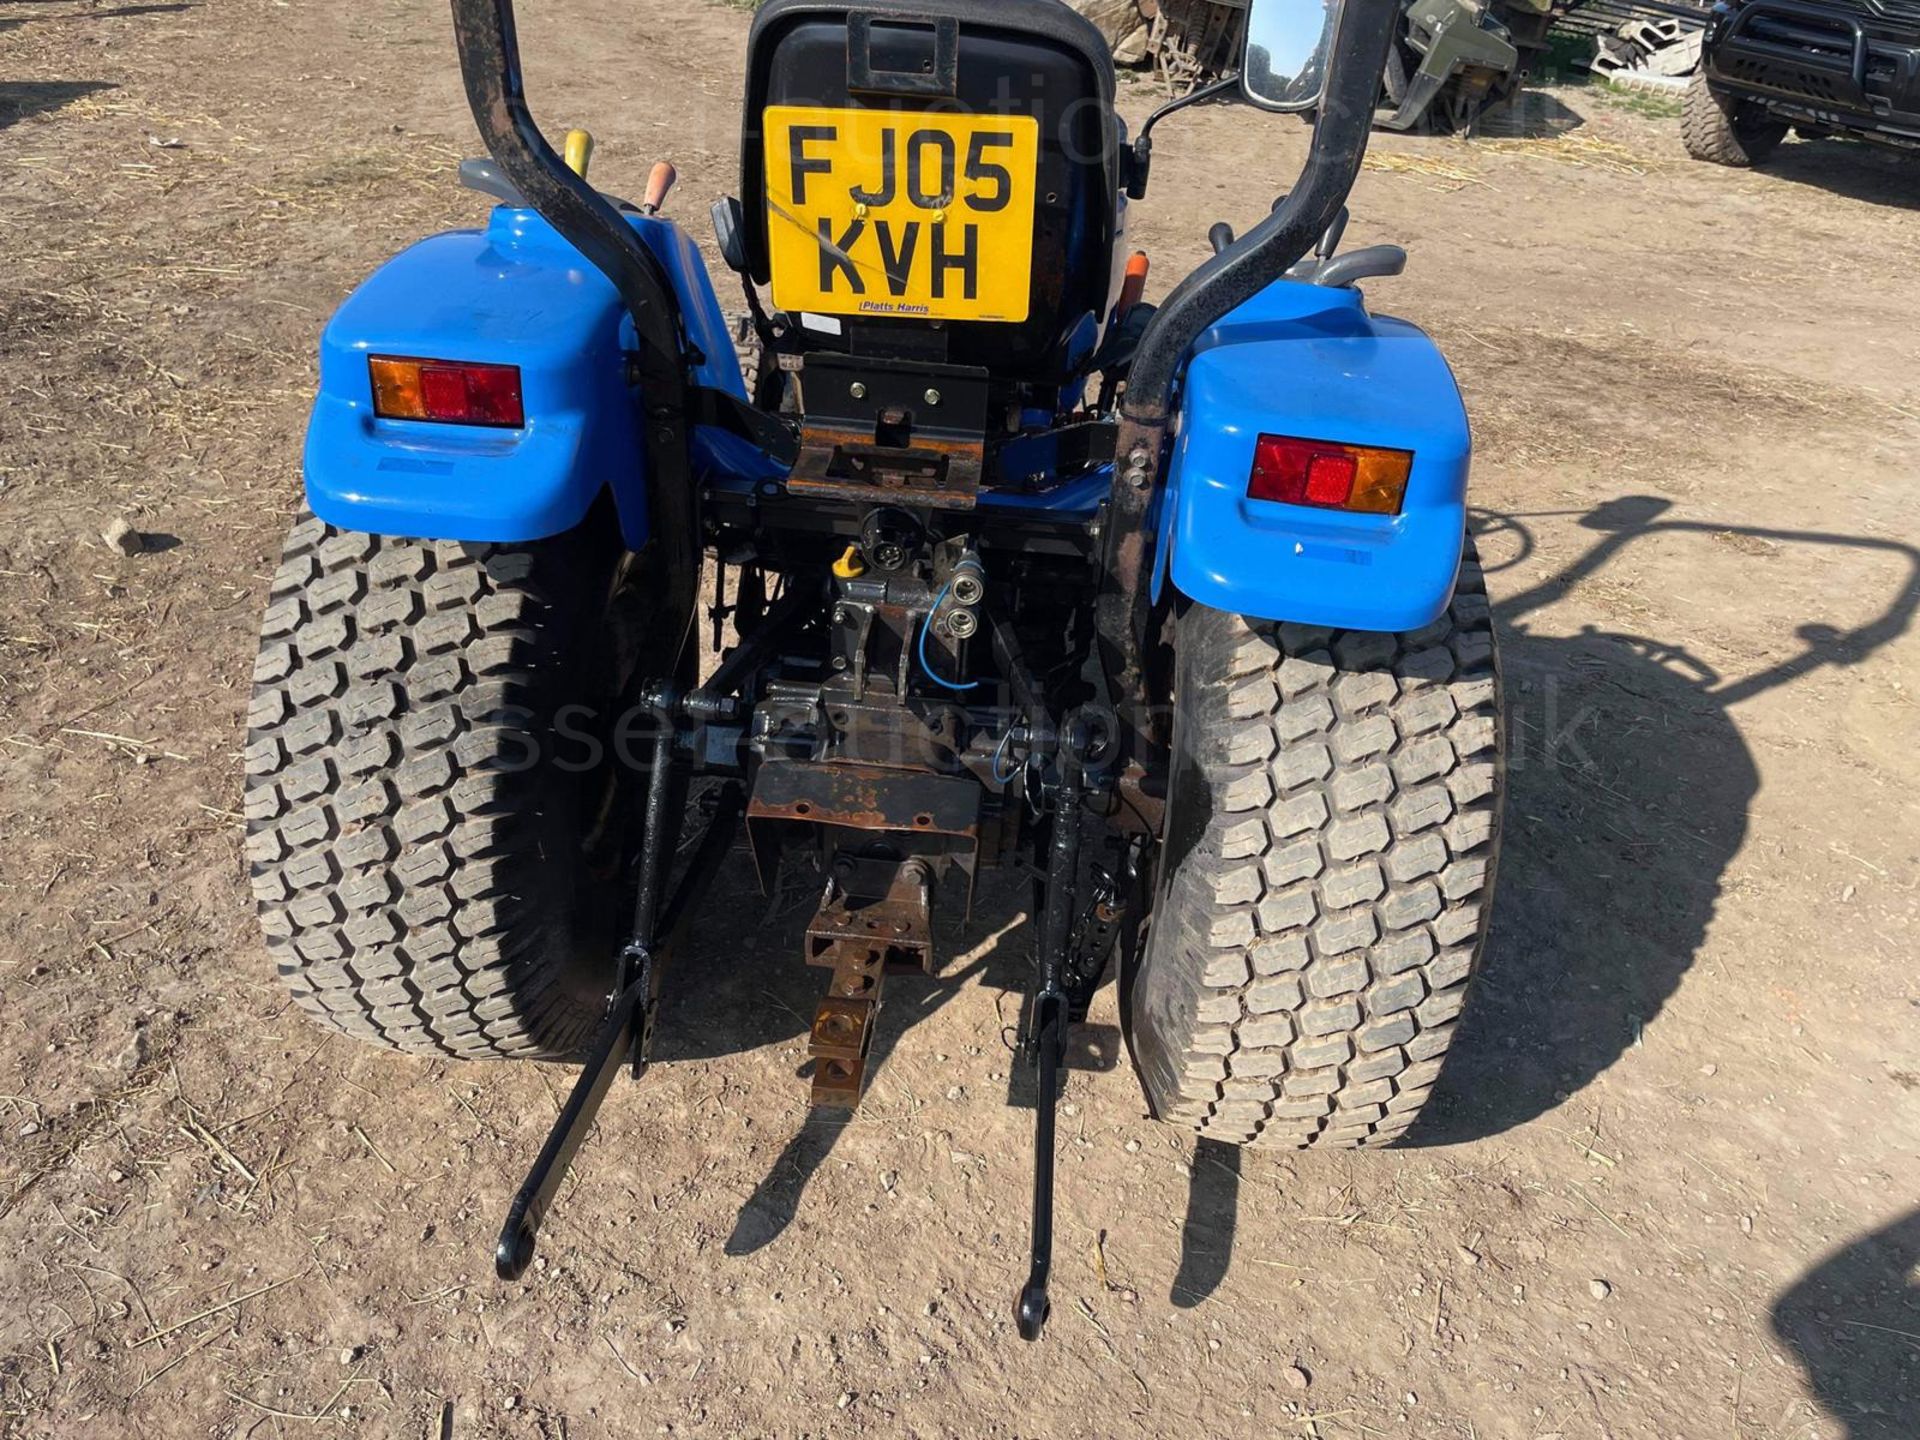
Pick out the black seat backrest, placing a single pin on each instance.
(1026, 57)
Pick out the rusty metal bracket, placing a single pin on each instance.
(865, 797)
(862, 937)
(944, 809)
(901, 430)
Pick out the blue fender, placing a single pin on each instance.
(514, 293)
(1309, 361)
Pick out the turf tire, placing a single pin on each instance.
(1332, 826)
(417, 854)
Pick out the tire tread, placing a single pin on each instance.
(1711, 128)
(388, 845)
(1312, 950)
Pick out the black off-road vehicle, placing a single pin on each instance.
(1821, 67)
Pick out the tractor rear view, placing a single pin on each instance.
(1170, 607)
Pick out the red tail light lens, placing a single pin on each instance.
(1329, 474)
(450, 391)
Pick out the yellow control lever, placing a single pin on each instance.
(578, 151)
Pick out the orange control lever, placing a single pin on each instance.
(659, 180)
(1134, 286)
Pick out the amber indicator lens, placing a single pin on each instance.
(452, 392)
(1329, 474)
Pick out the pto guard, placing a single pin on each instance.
(1309, 361)
(512, 294)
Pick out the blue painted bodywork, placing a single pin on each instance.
(514, 293)
(1309, 361)
(1297, 359)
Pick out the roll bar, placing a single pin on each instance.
(490, 66)
(1355, 60)
(1356, 57)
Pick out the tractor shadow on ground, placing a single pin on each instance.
(1207, 1230)
(1628, 787)
(1852, 1320)
(910, 999)
(1627, 792)
(749, 1004)
(118, 12)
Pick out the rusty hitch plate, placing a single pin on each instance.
(861, 937)
(866, 797)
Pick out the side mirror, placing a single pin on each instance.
(1285, 64)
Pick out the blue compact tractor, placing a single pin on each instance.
(1169, 606)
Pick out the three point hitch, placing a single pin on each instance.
(1079, 925)
(873, 919)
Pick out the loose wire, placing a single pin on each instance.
(926, 665)
(1002, 777)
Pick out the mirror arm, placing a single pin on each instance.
(1357, 57)
(1140, 162)
(1209, 91)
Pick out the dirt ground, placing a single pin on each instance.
(1668, 1190)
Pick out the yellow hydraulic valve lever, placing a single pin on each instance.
(578, 152)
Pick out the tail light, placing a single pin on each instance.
(1329, 474)
(450, 391)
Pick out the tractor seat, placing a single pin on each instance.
(939, 59)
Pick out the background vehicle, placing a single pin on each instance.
(1823, 67)
(1160, 604)
(1454, 59)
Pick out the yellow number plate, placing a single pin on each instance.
(882, 212)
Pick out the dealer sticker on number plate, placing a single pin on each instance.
(884, 212)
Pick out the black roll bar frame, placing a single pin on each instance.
(1356, 58)
(490, 65)
(489, 49)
